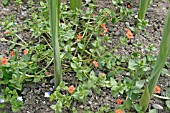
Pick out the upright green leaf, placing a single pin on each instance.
(162, 57)
(163, 54)
(54, 7)
(143, 7)
(5, 2)
(144, 99)
(75, 4)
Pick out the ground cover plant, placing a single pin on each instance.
(91, 68)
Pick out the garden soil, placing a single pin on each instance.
(33, 93)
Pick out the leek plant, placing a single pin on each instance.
(54, 7)
(162, 57)
(75, 4)
(143, 7)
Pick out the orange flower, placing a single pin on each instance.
(71, 89)
(128, 6)
(103, 74)
(126, 29)
(118, 101)
(102, 35)
(79, 37)
(105, 30)
(12, 53)
(129, 34)
(95, 64)
(104, 27)
(4, 61)
(6, 32)
(25, 51)
(119, 111)
(157, 89)
(90, 60)
(94, 15)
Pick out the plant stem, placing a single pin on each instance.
(46, 66)
(161, 97)
(3, 39)
(21, 39)
(47, 43)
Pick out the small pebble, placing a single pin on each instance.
(25, 91)
(47, 94)
(52, 81)
(90, 102)
(1, 100)
(157, 106)
(81, 106)
(19, 98)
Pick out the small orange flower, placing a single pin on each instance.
(129, 34)
(157, 89)
(79, 37)
(95, 64)
(25, 51)
(94, 15)
(71, 89)
(12, 53)
(105, 30)
(90, 60)
(128, 6)
(6, 32)
(4, 61)
(102, 34)
(126, 29)
(118, 111)
(103, 74)
(102, 25)
(118, 101)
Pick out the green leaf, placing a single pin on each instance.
(138, 108)
(81, 46)
(143, 8)
(1, 74)
(54, 9)
(153, 111)
(75, 4)
(134, 96)
(1, 105)
(113, 82)
(37, 79)
(34, 57)
(144, 101)
(132, 64)
(74, 110)
(25, 58)
(140, 84)
(128, 103)
(165, 71)
(5, 2)
(53, 107)
(22, 65)
(168, 104)
(162, 57)
(168, 92)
